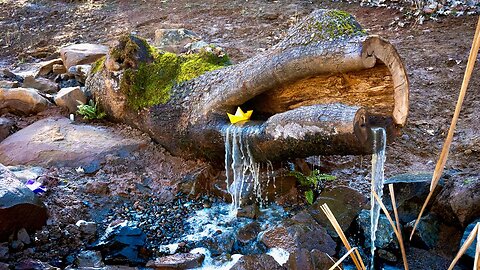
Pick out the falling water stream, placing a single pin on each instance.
(378, 177)
(241, 169)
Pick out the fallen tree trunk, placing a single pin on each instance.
(316, 92)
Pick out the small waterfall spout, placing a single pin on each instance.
(378, 178)
(241, 169)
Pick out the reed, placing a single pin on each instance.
(397, 232)
(342, 259)
(465, 246)
(357, 260)
(437, 173)
(397, 220)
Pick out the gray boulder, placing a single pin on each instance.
(56, 141)
(19, 206)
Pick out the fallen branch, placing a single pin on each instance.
(448, 141)
(342, 259)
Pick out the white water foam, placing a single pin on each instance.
(378, 179)
(279, 254)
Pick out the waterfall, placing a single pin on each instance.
(378, 177)
(241, 169)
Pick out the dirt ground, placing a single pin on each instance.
(435, 54)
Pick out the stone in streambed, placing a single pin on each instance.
(22, 101)
(41, 84)
(177, 261)
(19, 206)
(257, 262)
(81, 54)
(70, 98)
(345, 203)
(56, 141)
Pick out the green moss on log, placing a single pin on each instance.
(98, 65)
(151, 83)
(335, 24)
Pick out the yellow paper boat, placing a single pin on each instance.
(239, 116)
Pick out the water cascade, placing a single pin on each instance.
(378, 178)
(240, 167)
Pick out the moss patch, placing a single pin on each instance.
(151, 83)
(98, 65)
(336, 23)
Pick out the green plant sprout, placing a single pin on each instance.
(90, 111)
(312, 182)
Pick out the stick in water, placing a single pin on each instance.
(465, 246)
(437, 173)
(357, 260)
(397, 233)
(397, 220)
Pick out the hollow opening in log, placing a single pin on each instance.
(371, 88)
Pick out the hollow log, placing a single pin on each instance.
(317, 92)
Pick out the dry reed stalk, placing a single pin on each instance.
(397, 232)
(342, 259)
(332, 260)
(465, 246)
(437, 173)
(397, 220)
(357, 260)
(476, 265)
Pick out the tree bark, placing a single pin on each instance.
(317, 92)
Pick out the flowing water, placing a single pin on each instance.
(241, 169)
(378, 178)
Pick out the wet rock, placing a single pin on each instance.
(89, 258)
(301, 231)
(458, 202)
(70, 98)
(302, 259)
(411, 190)
(6, 127)
(174, 40)
(471, 250)
(122, 243)
(246, 242)
(19, 206)
(25, 173)
(423, 259)
(32, 264)
(4, 251)
(219, 243)
(257, 262)
(41, 84)
(81, 54)
(48, 66)
(23, 236)
(56, 141)
(345, 204)
(177, 261)
(385, 237)
(87, 228)
(9, 84)
(21, 101)
(80, 72)
(249, 211)
(427, 232)
(59, 69)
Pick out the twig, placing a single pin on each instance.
(465, 246)
(397, 233)
(397, 220)
(477, 250)
(437, 173)
(357, 260)
(342, 259)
